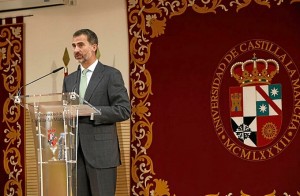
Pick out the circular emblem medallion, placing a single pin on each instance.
(254, 100)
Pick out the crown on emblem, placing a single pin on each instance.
(254, 71)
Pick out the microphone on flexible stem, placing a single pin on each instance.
(54, 71)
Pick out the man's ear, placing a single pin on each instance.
(95, 47)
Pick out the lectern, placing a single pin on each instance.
(55, 126)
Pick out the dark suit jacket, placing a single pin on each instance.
(106, 92)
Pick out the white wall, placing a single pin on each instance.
(49, 31)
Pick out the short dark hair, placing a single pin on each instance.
(91, 36)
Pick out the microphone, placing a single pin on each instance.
(54, 71)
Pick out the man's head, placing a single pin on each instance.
(91, 36)
(85, 45)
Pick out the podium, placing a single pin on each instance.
(55, 125)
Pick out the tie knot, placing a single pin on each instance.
(84, 71)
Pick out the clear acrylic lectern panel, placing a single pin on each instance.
(55, 125)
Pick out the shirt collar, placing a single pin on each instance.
(91, 68)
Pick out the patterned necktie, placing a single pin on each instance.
(83, 85)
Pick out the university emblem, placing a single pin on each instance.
(52, 139)
(255, 105)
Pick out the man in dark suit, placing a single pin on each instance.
(98, 149)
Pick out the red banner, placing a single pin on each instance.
(12, 168)
(215, 106)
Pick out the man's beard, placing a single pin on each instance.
(80, 58)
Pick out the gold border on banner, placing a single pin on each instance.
(11, 62)
(147, 20)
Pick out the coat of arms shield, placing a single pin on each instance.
(256, 111)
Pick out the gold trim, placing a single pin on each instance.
(10, 65)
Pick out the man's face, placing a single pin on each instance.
(84, 52)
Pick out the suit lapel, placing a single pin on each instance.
(96, 78)
(77, 80)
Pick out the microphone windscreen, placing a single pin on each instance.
(58, 69)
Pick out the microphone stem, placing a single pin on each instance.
(38, 79)
(56, 70)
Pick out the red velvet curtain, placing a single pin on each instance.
(215, 97)
(12, 168)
